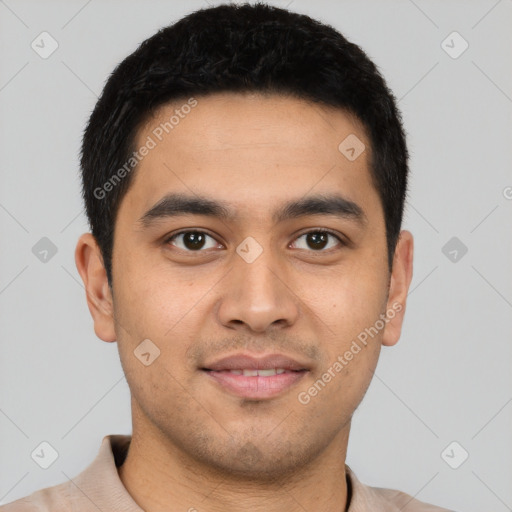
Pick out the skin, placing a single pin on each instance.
(194, 445)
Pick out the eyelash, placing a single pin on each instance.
(317, 230)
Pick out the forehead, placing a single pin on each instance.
(251, 150)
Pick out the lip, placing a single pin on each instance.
(246, 361)
(255, 387)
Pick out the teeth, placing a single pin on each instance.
(256, 373)
(266, 373)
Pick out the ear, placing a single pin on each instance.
(89, 262)
(401, 276)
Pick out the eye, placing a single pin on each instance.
(195, 241)
(319, 240)
(192, 240)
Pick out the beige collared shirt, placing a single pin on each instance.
(99, 487)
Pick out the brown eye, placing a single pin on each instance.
(319, 240)
(192, 241)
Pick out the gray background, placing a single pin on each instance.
(449, 377)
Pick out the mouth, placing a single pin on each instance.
(256, 384)
(257, 378)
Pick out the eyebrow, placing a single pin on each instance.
(173, 205)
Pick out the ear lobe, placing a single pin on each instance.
(89, 263)
(401, 276)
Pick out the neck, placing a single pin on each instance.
(161, 477)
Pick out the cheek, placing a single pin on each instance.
(351, 300)
(165, 307)
(335, 392)
(152, 298)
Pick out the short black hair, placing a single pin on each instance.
(238, 48)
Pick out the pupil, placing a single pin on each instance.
(319, 240)
(193, 240)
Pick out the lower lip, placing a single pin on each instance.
(257, 387)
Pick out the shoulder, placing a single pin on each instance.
(399, 500)
(366, 498)
(51, 499)
(97, 487)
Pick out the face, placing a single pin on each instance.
(285, 256)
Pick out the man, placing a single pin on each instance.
(244, 174)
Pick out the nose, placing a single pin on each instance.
(257, 296)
